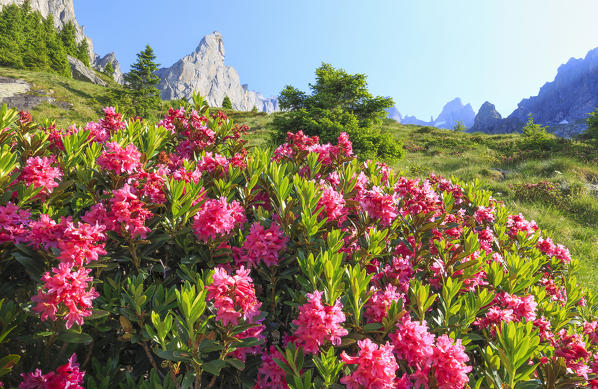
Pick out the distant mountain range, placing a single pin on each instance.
(562, 105)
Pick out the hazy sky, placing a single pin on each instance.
(421, 52)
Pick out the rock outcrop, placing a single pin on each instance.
(488, 120)
(204, 71)
(17, 93)
(63, 11)
(82, 72)
(100, 64)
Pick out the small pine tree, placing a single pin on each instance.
(592, 131)
(83, 52)
(226, 103)
(109, 69)
(533, 130)
(67, 35)
(460, 127)
(141, 82)
(254, 109)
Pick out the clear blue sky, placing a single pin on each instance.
(421, 52)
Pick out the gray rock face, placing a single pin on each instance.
(82, 72)
(455, 111)
(488, 120)
(565, 103)
(204, 71)
(62, 11)
(100, 63)
(14, 93)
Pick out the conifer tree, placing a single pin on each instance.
(109, 69)
(226, 103)
(11, 36)
(55, 50)
(67, 35)
(141, 81)
(83, 52)
(34, 53)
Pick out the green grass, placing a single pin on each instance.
(499, 162)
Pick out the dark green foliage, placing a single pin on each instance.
(535, 136)
(67, 36)
(83, 52)
(109, 69)
(339, 102)
(226, 103)
(592, 130)
(141, 82)
(28, 41)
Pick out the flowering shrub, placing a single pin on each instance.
(170, 256)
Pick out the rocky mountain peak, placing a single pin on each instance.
(211, 44)
(204, 71)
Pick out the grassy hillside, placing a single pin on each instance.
(557, 185)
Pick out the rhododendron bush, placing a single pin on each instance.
(167, 255)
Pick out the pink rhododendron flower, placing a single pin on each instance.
(417, 197)
(517, 223)
(376, 366)
(212, 161)
(13, 223)
(379, 205)
(378, 304)
(40, 173)
(45, 232)
(318, 323)
(67, 376)
(449, 363)
(233, 296)
(217, 218)
(484, 215)
(112, 120)
(413, 342)
(128, 213)
(120, 160)
(572, 349)
(270, 375)
(261, 245)
(332, 204)
(81, 244)
(66, 288)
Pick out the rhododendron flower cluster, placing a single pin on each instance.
(119, 159)
(67, 376)
(176, 255)
(261, 245)
(217, 217)
(318, 323)
(234, 296)
(69, 289)
(376, 366)
(40, 173)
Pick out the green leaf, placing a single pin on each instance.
(214, 367)
(74, 337)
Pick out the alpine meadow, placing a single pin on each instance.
(162, 225)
